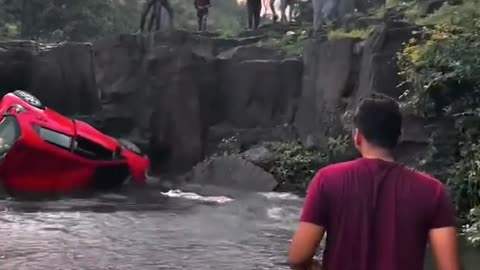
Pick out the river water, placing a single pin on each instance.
(151, 230)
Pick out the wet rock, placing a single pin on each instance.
(259, 155)
(61, 75)
(233, 172)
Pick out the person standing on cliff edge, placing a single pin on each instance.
(155, 8)
(377, 213)
(202, 13)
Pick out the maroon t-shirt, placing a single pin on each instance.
(376, 213)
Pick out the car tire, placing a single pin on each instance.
(130, 146)
(29, 98)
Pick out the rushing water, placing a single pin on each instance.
(150, 230)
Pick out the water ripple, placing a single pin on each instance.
(150, 231)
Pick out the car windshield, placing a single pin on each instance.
(9, 131)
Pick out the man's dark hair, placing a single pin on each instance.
(379, 119)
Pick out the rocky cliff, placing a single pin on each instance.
(179, 95)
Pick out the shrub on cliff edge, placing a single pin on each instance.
(472, 230)
(295, 165)
(442, 69)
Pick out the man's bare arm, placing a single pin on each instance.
(444, 245)
(304, 245)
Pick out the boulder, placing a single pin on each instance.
(259, 155)
(232, 172)
(60, 75)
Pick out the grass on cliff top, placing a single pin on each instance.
(291, 43)
(453, 14)
(342, 33)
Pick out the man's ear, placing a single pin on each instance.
(357, 137)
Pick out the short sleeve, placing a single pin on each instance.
(444, 212)
(315, 209)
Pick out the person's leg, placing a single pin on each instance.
(274, 13)
(147, 8)
(169, 9)
(317, 14)
(290, 10)
(205, 17)
(263, 13)
(257, 9)
(153, 16)
(283, 7)
(250, 13)
(199, 19)
(158, 12)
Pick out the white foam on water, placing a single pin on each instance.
(194, 196)
(280, 196)
(275, 213)
(285, 218)
(284, 213)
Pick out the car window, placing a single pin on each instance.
(56, 138)
(9, 130)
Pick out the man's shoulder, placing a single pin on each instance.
(424, 178)
(340, 167)
(337, 170)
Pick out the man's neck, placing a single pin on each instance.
(379, 154)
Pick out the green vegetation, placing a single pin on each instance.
(58, 20)
(472, 230)
(291, 43)
(442, 68)
(49, 20)
(355, 33)
(294, 165)
(454, 14)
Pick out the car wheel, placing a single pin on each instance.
(29, 98)
(130, 146)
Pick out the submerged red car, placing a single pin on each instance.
(42, 151)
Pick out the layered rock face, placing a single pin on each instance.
(61, 75)
(339, 73)
(179, 95)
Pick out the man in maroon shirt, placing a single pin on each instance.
(378, 214)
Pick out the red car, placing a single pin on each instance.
(42, 151)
